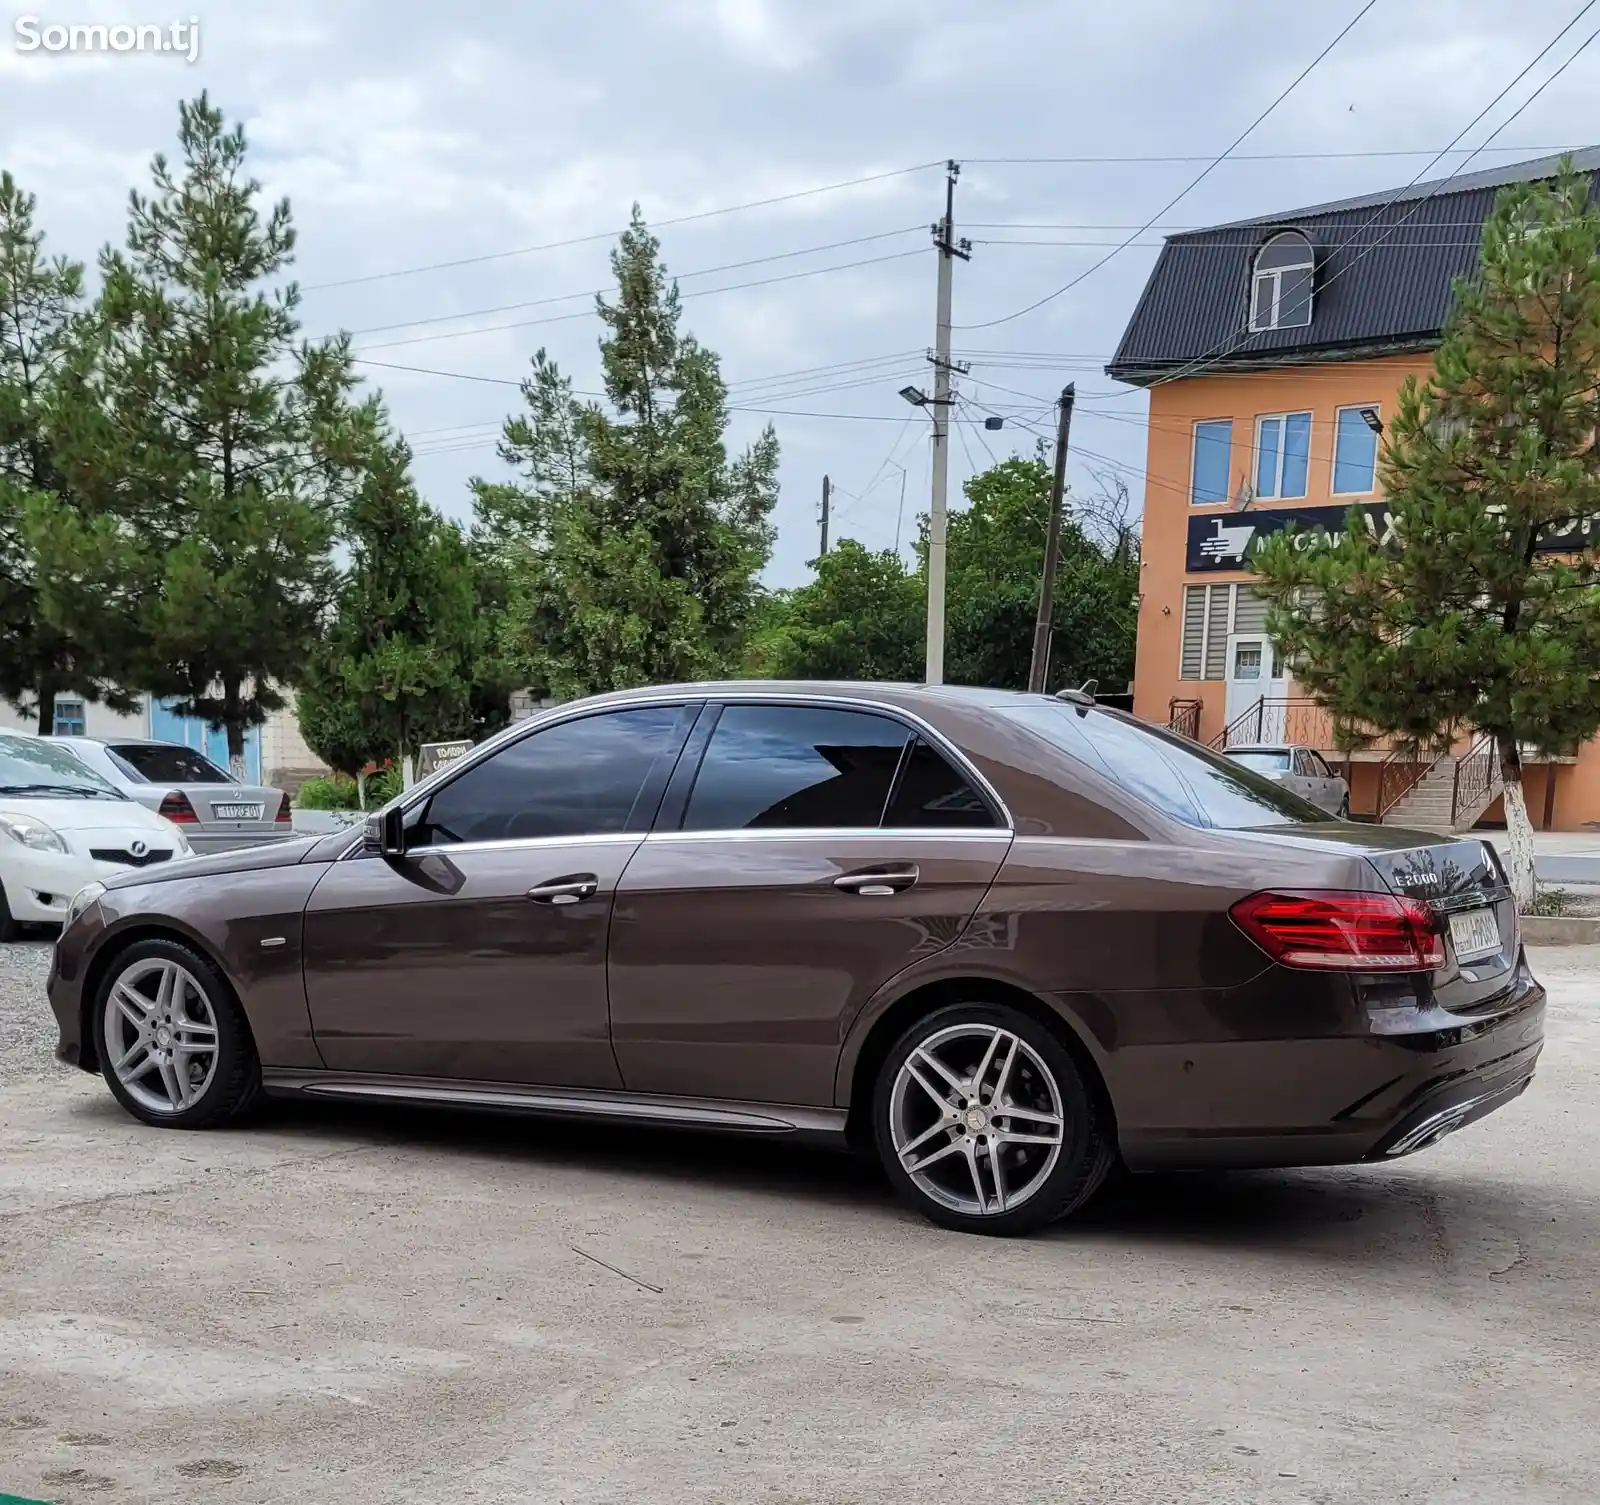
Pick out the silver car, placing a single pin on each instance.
(215, 811)
(1301, 769)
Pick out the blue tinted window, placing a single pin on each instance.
(775, 766)
(1212, 443)
(1355, 453)
(1283, 450)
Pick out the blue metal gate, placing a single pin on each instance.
(167, 726)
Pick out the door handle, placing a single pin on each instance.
(570, 890)
(878, 884)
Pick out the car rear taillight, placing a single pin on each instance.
(176, 808)
(283, 817)
(1343, 931)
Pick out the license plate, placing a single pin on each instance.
(1474, 933)
(236, 812)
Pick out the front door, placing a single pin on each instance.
(480, 954)
(1255, 690)
(821, 851)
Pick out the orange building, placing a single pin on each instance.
(1273, 350)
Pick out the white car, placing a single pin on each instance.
(1302, 769)
(63, 826)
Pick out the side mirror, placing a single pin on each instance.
(385, 832)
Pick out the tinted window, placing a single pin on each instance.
(1180, 778)
(579, 778)
(795, 766)
(932, 793)
(167, 763)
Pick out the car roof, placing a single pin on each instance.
(894, 692)
(1264, 747)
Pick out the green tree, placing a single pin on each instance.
(40, 304)
(1463, 625)
(863, 616)
(632, 542)
(213, 445)
(396, 668)
(995, 554)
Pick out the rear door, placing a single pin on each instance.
(805, 854)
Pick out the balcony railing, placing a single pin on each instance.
(1183, 717)
(1274, 719)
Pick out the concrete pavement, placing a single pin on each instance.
(387, 1307)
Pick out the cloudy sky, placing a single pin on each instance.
(456, 172)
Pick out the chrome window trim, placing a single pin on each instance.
(840, 833)
(580, 710)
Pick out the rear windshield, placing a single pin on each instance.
(167, 763)
(1262, 762)
(1180, 778)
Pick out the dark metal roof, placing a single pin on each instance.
(1386, 264)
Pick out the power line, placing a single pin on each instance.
(589, 313)
(1190, 186)
(580, 240)
(1128, 160)
(1232, 342)
(595, 292)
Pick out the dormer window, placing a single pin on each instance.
(1280, 290)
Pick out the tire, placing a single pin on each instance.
(10, 930)
(1041, 1180)
(220, 1071)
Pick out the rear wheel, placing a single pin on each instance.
(173, 1043)
(985, 1123)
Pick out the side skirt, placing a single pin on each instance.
(823, 1126)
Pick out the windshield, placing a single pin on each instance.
(168, 763)
(1262, 762)
(1180, 778)
(46, 770)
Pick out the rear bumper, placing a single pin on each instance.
(206, 842)
(1359, 1098)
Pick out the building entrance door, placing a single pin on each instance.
(1255, 684)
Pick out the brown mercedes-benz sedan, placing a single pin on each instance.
(1002, 940)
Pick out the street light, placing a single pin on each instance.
(915, 396)
(1369, 416)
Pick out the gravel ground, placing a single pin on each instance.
(27, 1027)
(387, 1308)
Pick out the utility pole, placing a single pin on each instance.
(1039, 668)
(949, 248)
(827, 492)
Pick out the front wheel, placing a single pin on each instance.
(985, 1123)
(174, 1045)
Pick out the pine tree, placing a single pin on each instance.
(1466, 624)
(213, 446)
(632, 541)
(40, 303)
(399, 664)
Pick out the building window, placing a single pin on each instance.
(1355, 452)
(1210, 613)
(1283, 450)
(1213, 448)
(1280, 290)
(69, 720)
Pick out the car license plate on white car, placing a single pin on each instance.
(1474, 934)
(236, 812)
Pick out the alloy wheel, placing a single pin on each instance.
(161, 1035)
(975, 1118)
